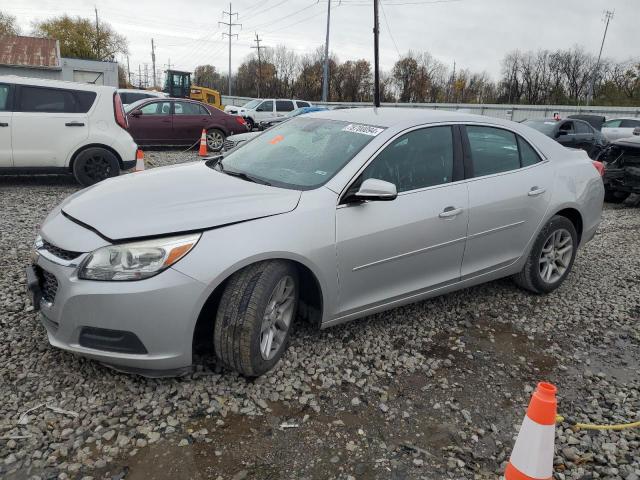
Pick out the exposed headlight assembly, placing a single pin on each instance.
(136, 260)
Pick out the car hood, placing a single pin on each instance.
(241, 137)
(174, 199)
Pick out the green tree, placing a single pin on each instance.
(79, 38)
(206, 76)
(8, 25)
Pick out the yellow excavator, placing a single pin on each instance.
(178, 84)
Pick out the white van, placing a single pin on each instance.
(257, 110)
(50, 126)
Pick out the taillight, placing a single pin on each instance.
(241, 120)
(599, 167)
(118, 111)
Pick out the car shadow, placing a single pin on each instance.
(38, 180)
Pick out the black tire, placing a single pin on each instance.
(94, 165)
(237, 331)
(612, 196)
(530, 277)
(250, 124)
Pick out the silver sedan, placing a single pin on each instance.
(328, 217)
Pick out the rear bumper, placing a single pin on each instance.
(128, 164)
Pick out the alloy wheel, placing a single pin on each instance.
(215, 140)
(97, 167)
(555, 256)
(277, 317)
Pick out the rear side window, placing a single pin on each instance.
(493, 150)
(54, 100)
(528, 156)
(630, 123)
(284, 106)
(188, 108)
(582, 128)
(302, 104)
(5, 90)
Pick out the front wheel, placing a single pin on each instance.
(551, 257)
(255, 316)
(250, 123)
(215, 140)
(94, 165)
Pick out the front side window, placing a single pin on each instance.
(54, 100)
(567, 127)
(266, 106)
(284, 105)
(157, 108)
(612, 124)
(301, 153)
(493, 150)
(4, 97)
(418, 159)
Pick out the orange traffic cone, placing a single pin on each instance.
(139, 161)
(203, 144)
(532, 456)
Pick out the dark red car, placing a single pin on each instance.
(177, 121)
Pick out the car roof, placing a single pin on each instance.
(45, 82)
(404, 117)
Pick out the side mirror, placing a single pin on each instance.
(136, 113)
(561, 133)
(373, 189)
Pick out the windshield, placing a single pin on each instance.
(302, 153)
(252, 104)
(544, 126)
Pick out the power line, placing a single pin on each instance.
(386, 21)
(230, 24)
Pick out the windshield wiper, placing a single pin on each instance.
(242, 175)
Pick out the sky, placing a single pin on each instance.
(475, 34)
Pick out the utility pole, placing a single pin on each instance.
(608, 15)
(376, 56)
(97, 35)
(129, 71)
(258, 47)
(325, 70)
(146, 75)
(230, 24)
(153, 62)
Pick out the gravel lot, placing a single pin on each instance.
(428, 391)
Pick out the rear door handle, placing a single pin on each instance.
(535, 191)
(450, 212)
(2, 124)
(74, 124)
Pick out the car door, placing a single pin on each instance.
(585, 136)
(566, 134)
(151, 124)
(510, 186)
(6, 98)
(612, 129)
(392, 249)
(48, 125)
(188, 121)
(264, 110)
(627, 126)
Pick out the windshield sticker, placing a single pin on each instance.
(320, 172)
(276, 139)
(549, 123)
(363, 129)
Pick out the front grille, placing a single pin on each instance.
(48, 285)
(59, 252)
(228, 144)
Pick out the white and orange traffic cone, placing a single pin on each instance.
(139, 161)
(532, 455)
(203, 144)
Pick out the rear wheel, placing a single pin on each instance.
(551, 257)
(94, 165)
(255, 316)
(612, 196)
(215, 140)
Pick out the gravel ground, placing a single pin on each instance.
(428, 391)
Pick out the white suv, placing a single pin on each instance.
(257, 110)
(50, 126)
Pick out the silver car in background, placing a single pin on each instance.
(328, 217)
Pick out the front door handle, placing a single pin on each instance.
(74, 124)
(535, 191)
(450, 212)
(2, 124)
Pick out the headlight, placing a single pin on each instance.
(138, 260)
